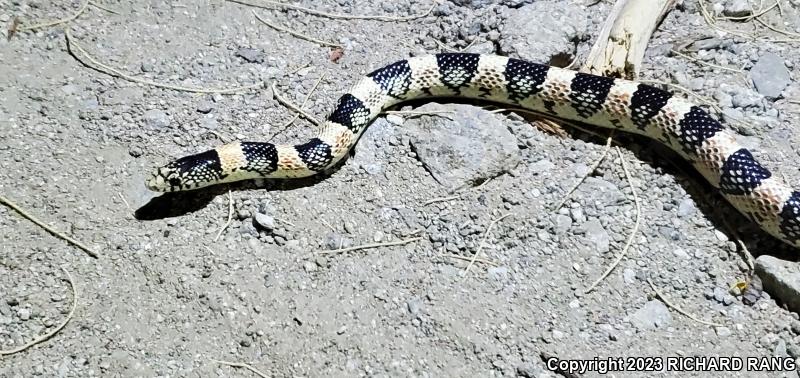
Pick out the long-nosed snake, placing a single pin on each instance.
(597, 100)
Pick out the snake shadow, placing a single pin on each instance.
(707, 199)
(175, 204)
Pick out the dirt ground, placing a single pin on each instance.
(168, 297)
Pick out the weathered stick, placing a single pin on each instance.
(620, 47)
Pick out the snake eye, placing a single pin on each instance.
(174, 181)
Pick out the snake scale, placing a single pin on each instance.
(602, 101)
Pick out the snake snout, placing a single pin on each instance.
(164, 179)
(187, 173)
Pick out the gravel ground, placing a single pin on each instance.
(167, 297)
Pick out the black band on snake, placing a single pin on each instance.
(601, 101)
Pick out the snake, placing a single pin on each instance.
(612, 103)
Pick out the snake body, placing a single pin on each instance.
(602, 101)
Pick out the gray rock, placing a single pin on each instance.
(310, 267)
(653, 315)
(780, 349)
(250, 55)
(723, 331)
(248, 228)
(681, 253)
(563, 223)
(466, 149)
(597, 235)
(122, 96)
(737, 8)
(370, 151)
(498, 273)
(596, 189)
(719, 294)
(628, 275)
(205, 107)
(209, 123)
(264, 221)
(335, 241)
(746, 98)
(781, 279)
(541, 166)
(414, 305)
(770, 75)
(527, 371)
(686, 208)
(793, 350)
(541, 30)
(155, 118)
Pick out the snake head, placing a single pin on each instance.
(187, 173)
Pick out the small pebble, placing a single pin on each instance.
(264, 221)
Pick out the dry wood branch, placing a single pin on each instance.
(267, 4)
(620, 48)
(440, 199)
(103, 7)
(748, 257)
(483, 242)
(752, 16)
(368, 246)
(242, 365)
(712, 22)
(296, 34)
(678, 309)
(704, 63)
(544, 122)
(61, 326)
(36, 221)
(88, 60)
(297, 115)
(230, 216)
(470, 259)
(293, 107)
(634, 231)
(780, 31)
(80, 11)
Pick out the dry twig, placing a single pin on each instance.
(368, 246)
(230, 216)
(241, 365)
(93, 63)
(294, 107)
(704, 63)
(297, 115)
(61, 326)
(748, 257)
(296, 34)
(480, 246)
(440, 199)
(678, 309)
(57, 22)
(267, 4)
(103, 7)
(470, 259)
(591, 169)
(635, 225)
(47, 228)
